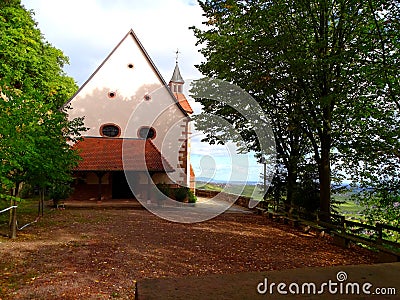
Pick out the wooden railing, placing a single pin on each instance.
(343, 230)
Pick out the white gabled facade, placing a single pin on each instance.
(127, 94)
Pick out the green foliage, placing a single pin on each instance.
(209, 186)
(191, 197)
(28, 63)
(381, 205)
(181, 193)
(164, 189)
(60, 192)
(325, 72)
(33, 85)
(10, 198)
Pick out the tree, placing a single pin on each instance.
(243, 64)
(27, 61)
(372, 155)
(34, 132)
(307, 60)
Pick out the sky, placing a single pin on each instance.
(88, 30)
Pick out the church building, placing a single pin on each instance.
(138, 128)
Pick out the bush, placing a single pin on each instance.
(181, 194)
(191, 197)
(60, 192)
(164, 189)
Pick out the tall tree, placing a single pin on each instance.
(34, 133)
(371, 155)
(27, 61)
(235, 53)
(311, 55)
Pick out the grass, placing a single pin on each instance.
(236, 189)
(209, 186)
(350, 208)
(27, 212)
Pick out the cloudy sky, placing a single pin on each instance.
(87, 31)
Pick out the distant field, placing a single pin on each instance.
(348, 208)
(209, 186)
(236, 189)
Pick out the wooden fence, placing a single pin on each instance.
(343, 231)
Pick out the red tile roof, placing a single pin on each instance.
(183, 102)
(105, 154)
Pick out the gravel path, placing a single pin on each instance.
(101, 253)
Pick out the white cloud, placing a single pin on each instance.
(88, 30)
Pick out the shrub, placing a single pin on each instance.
(60, 192)
(164, 189)
(191, 197)
(181, 194)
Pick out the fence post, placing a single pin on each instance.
(343, 223)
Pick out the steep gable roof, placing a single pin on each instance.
(132, 34)
(183, 102)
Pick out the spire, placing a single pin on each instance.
(176, 86)
(176, 76)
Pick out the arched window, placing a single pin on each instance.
(110, 130)
(146, 132)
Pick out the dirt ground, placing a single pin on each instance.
(101, 253)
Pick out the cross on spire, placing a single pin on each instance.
(177, 54)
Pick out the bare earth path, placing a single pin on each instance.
(101, 253)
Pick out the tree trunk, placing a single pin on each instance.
(41, 202)
(293, 164)
(13, 214)
(325, 177)
(291, 184)
(40, 196)
(13, 224)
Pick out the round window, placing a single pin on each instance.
(147, 133)
(110, 130)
